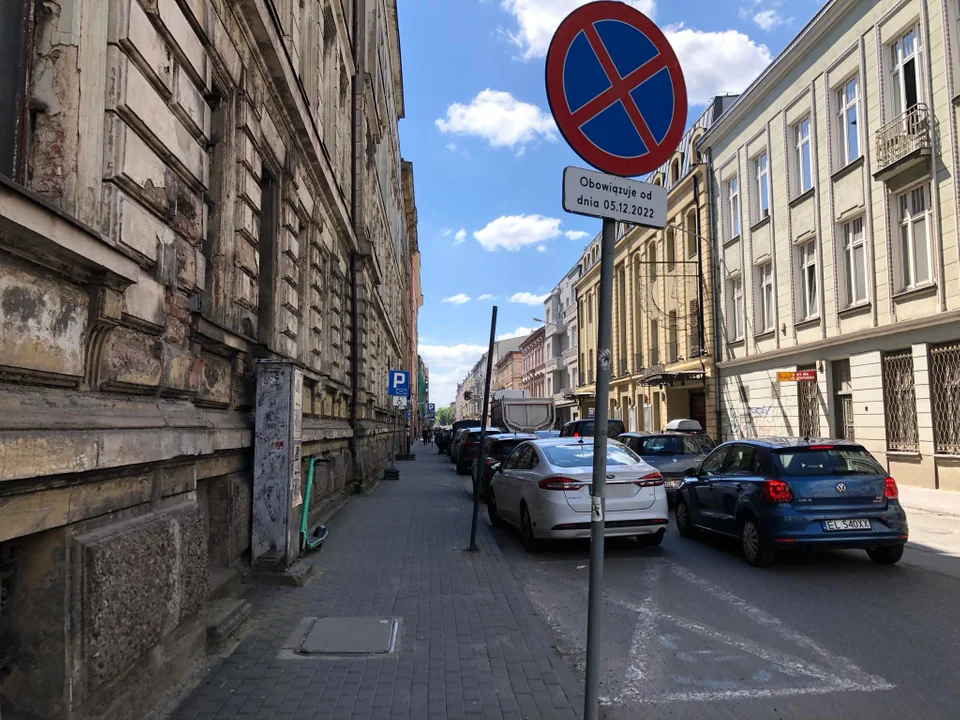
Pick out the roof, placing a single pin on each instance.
(779, 443)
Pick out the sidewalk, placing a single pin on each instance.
(470, 644)
(940, 502)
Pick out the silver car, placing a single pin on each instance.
(543, 488)
(674, 454)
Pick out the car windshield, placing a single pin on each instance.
(826, 460)
(577, 455)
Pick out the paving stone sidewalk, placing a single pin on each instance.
(470, 644)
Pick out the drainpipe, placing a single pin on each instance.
(717, 285)
(356, 211)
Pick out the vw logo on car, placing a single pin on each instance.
(842, 488)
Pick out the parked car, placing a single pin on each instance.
(499, 448)
(584, 428)
(543, 489)
(793, 492)
(455, 430)
(674, 454)
(469, 444)
(545, 434)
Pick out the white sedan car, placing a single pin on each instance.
(543, 488)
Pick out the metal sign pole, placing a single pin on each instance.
(393, 454)
(597, 501)
(482, 456)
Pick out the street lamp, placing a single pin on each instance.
(547, 322)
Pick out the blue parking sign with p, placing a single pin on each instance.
(399, 383)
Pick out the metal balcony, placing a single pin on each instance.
(903, 142)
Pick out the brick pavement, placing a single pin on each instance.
(470, 644)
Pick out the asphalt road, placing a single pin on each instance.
(691, 631)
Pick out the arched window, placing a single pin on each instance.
(694, 153)
(675, 171)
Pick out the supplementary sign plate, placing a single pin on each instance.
(609, 196)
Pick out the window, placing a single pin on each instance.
(671, 249)
(803, 172)
(14, 40)
(765, 297)
(854, 262)
(945, 396)
(654, 342)
(673, 349)
(843, 399)
(674, 172)
(914, 245)
(761, 171)
(652, 258)
(900, 402)
(270, 203)
(714, 462)
(809, 295)
(905, 66)
(848, 125)
(735, 321)
(808, 404)
(733, 208)
(693, 241)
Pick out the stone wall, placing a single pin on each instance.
(194, 201)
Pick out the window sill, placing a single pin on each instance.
(765, 335)
(854, 310)
(736, 343)
(847, 169)
(806, 322)
(731, 241)
(947, 456)
(910, 293)
(760, 223)
(904, 453)
(802, 197)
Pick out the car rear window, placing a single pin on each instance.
(576, 455)
(662, 445)
(586, 428)
(827, 460)
(505, 447)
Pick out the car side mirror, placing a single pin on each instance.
(691, 477)
(496, 467)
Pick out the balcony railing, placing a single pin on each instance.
(904, 137)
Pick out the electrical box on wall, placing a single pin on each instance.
(277, 473)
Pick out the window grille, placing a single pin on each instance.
(900, 402)
(945, 397)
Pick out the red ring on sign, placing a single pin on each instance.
(569, 124)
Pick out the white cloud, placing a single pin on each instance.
(537, 20)
(512, 232)
(541, 248)
(527, 298)
(519, 332)
(458, 299)
(449, 364)
(768, 19)
(446, 232)
(452, 147)
(716, 62)
(500, 119)
(460, 237)
(576, 234)
(487, 296)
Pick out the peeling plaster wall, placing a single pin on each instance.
(194, 214)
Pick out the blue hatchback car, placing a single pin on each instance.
(778, 493)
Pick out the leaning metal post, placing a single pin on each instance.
(601, 413)
(482, 457)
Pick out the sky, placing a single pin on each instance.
(488, 159)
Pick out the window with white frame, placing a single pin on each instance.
(809, 289)
(848, 121)
(735, 308)
(761, 169)
(854, 262)
(905, 71)
(765, 297)
(803, 164)
(733, 208)
(914, 246)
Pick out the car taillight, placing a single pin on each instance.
(576, 434)
(890, 491)
(654, 479)
(776, 491)
(560, 483)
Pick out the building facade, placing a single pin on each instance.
(185, 188)
(508, 372)
(415, 295)
(423, 396)
(533, 364)
(561, 361)
(663, 347)
(834, 177)
(469, 402)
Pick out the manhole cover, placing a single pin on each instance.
(351, 636)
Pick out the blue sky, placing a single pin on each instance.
(488, 160)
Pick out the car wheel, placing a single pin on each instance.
(754, 546)
(886, 555)
(492, 509)
(684, 522)
(530, 542)
(651, 540)
(462, 469)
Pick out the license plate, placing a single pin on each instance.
(833, 525)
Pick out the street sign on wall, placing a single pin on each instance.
(616, 89)
(594, 194)
(797, 376)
